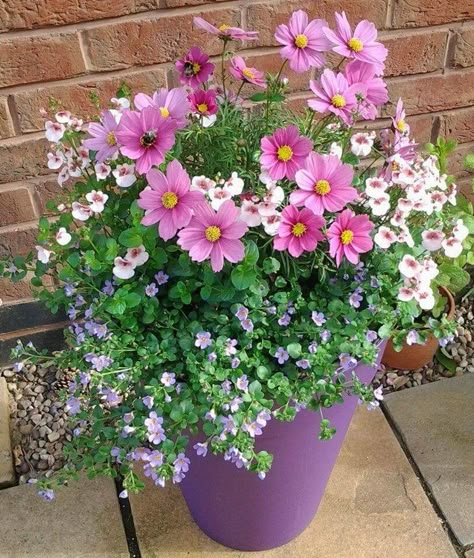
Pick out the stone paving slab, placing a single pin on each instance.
(7, 473)
(82, 522)
(374, 507)
(436, 421)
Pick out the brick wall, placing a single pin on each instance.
(53, 48)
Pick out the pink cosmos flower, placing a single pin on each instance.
(225, 31)
(325, 184)
(214, 235)
(203, 102)
(145, 137)
(303, 42)
(349, 236)
(172, 103)
(284, 152)
(360, 45)
(334, 94)
(104, 140)
(399, 123)
(298, 231)
(169, 200)
(195, 68)
(374, 91)
(241, 71)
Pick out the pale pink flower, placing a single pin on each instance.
(81, 212)
(409, 267)
(202, 184)
(124, 175)
(218, 196)
(63, 237)
(172, 104)
(97, 200)
(44, 255)
(432, 239)
(374, 187)
(123, 269)
(104, 139)
(381, 205)
(460, 231)
(102, 171)
(55, 160)
(362, 143)
(241, 71)
(452, 247)
(405, 206)
(385, 237)
(225, 31)
(271, 223)
(249, 213)
(405, 294)
(349, 236)
(299, 231)
(425, 298)
(54, 131)
(137, 256)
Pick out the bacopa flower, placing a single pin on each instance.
(334, 94)
(360, 44)
(203, 340)
(202, 102)
(145, 137)
(214, 235)
(241, 71)
(349, 236)
(284, 153)
(324, 184)
(318, 318)
(303, 42)
(171, 103)
(281, 355)
(104, 139)
(299, 231)
(169, 200)
(195, 68)
(225, 31)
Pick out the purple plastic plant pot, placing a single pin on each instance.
(237, 509)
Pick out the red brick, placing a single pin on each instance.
(75, 96)
(265, 16)
(17, 241)
(420, 13)
(45, 188)
(464, 50)
(422, 94)
(28, 14)
(10, 292)
(23, 157)
(458, 124)
(421, 126)
(179, 3)
(415, 53)
(299, 103)
(6, 124)
(39, 58)
(15, 206)
(151, 40)
(456, 162)
(466, 187)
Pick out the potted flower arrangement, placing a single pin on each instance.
(231, 271)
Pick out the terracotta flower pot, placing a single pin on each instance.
(415, 356)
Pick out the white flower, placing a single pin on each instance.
(123, 269)
(55, 160)
(54, 131)
(124, 175)
(335, 149)
(209, 121)
(405, 206)
(361, 144)
(385, 237)
(137, 256)
(63, 116)
(63, 237)
(409, 267)
(423, 204)
(412, 337)
(428, 271)
(102, 171)
(438, 199)
(120, 104)
(267, 209)
(265, 178)
(432, 239)
(63, 176)
(405, 176)
(218, 196)
(452, 193)
(405, 294)
(249, 213)
(43, 254)
(460, 231)
(452, 247)
(381, 205)
(398, 219)
(405, 237)
(234, 184)
(97, 200)
(202, 184)
(424, 297)
(374, 187)
(275, 194)
(74, 168)
(80, 211)
(76, 124)
(271, 223)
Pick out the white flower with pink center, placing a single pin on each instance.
(63, 117)
(275, 194)
(102, 171)
(124, 175)
(405, 237)
(452, 193)
(424, 205)
(385, 237)
(425, 298)
(249, 213)
(405, 294)
(428, 272)
(63, 237)
(335, 149)
(76, 124)
(375, 187)
(63, 176)
(54, 131)
(460, 231)
(405, 176)
(362, 143)
(405, 206)
(218, 196)
(202, 184)
(120, 104)
(452, 247)
(97, 200)
(74, 168)
(234, 184)
(267, 208)
(409, 267)
(271, 223)
(432, 239)
(380, 205)
(438, 199)
(43, 254)
(81, 212)
(123, 269)
(138, 256)
(55, 160)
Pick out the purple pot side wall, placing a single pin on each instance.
(52, 48)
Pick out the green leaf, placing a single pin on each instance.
(243, 276)
(130, 238)
(453, 277)
(251, 253)
(258, 97)
(132, 300)
(271, 265)
(445, 360)
(294, 350)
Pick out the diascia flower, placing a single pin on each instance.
(194, 69)
(214, 235)
(303, 42)
(145, 137)
(284, 152)
(299, 231)
(325, 184)
(169, 200)
(349, 236)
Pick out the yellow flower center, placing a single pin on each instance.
(338, 101)
(213, 233)
(111, 139)
(164, 112)
(356, 45)
(347, 236)
(298, 229)
(301, 41)
(169, 200)
(401, 125)
(196, 68)
(248, 73)
(202, 107)
(322, 187)
(224, 27)
(285, 153)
